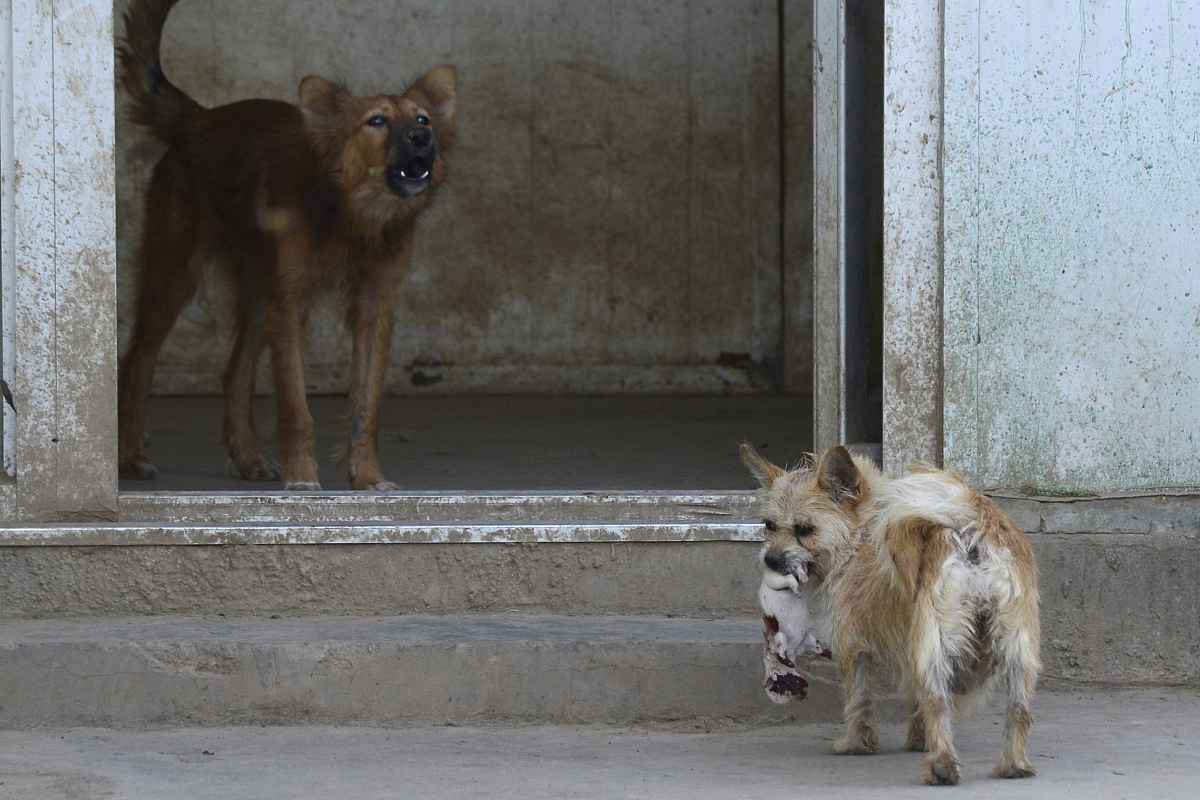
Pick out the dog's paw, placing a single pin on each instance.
(258, 469)
(1012, 771)
(302, 486)
(369, 478)
(378, 486)
(865, 743)
(942, 770)
(138, 470)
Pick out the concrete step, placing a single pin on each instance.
(186, 670)
(1116, 608)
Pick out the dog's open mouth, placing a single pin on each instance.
(411, 177)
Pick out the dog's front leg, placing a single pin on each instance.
(371, 318)
(861, 736)
(285, 332)
(371, 322)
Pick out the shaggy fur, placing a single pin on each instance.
(292, 198)
(920, 574)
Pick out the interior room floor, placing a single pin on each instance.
(505, 443)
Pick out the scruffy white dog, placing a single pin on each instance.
(918, 573)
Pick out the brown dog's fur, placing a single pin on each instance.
(292, 198)
(920, 574)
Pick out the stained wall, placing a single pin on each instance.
(613, 218)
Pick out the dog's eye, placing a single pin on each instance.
(769, 525)
(377, 121)
(422, 119)
(803, 530)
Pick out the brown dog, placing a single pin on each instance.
(293, 198)
(919, 573)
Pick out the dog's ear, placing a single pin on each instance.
(321, 96)
(763, 471)
(838, 475)
(436, 90)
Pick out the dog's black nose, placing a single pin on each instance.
(776, 562)
(420, 137)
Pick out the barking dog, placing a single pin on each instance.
(921, 574)
(292, 198)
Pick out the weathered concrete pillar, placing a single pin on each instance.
(59, 258)
(912, 237)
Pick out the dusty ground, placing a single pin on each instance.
(1103, 744)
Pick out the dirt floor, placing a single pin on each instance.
(507, 443)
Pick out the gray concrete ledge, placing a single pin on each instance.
(458, 668)
(115, 534)
(1177, 514)
(1108, 746)
(343, 508)
(196, 518)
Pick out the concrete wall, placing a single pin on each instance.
(1072, 228)
(614, 200)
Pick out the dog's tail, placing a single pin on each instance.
(919, 517)
(156, 103)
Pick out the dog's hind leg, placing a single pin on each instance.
(862, 737)
(936, 639)
(246, 460)
(167, 281)
(942, 766)
(933, 670)
(1020, 664)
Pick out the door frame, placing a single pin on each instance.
(911, 138)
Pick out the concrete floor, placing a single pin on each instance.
(507, 443)
(1110, 744)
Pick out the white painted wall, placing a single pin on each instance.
(1072, 243)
